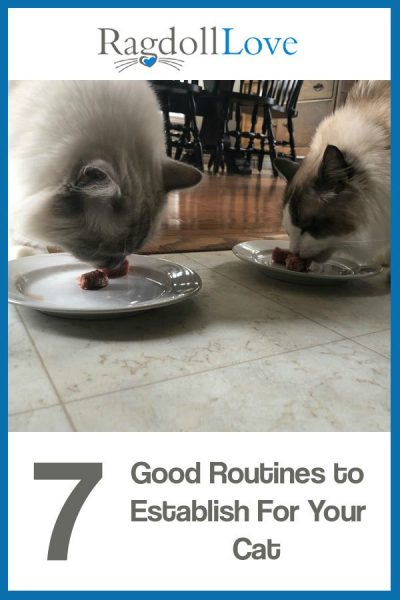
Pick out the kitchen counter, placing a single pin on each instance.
(248, 353)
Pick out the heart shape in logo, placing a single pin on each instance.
(149, 62)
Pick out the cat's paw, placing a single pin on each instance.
(21, 251)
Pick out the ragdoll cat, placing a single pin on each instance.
(88, 169)
(339, 197)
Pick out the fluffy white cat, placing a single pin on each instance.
(88, 170)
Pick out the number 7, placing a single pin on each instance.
(89, 475)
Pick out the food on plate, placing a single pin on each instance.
(120, 271)
(295, 263)
(292, 261)
(94, 280)
(279, 255)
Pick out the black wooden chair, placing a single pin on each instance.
(250, 94)
(214, 106)
(267, 99)
(180, 97)
(286, 94)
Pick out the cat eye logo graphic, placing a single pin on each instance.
(147, 61)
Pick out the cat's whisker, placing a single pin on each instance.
(126, 67)
(170, 60)
(177, 60)
(133, 61)
(125, 60)
(342, 187)
(164, 61)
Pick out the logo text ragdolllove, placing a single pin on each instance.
(169, 49)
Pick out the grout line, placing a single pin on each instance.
(19, 318)
(206, 252)
(388, 329)
(47, 373)
(211, 370)
(31, 410)
(283, 305)
(298, 312)
(64, 404)
(354, 339)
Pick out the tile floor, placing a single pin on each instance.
(247, 354)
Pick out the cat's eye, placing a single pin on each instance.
(93, 174)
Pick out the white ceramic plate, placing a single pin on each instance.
(336, 270)
(47, 282)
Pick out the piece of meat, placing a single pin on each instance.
(293, 262)
(279, 255)
(94, 280)
(120, 271)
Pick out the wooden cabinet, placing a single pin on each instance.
(321, 89)
(318, 99)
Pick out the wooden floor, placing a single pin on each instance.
(222, 211)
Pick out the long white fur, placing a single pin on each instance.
(361, 129)
(52, 124)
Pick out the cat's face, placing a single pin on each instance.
(101, 216)
(323, 210)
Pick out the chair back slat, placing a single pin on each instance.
(286, 93)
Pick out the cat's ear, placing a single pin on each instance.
(286, 168)
(97, 178)
(334, 167)
(178, 175)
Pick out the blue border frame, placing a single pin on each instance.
(395, 411)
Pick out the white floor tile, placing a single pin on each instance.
(211, 259)
(337, 387)
(187, 260)
(46, 419)
(351, 309)
(225, 324)
(379, 341)
(28, 384)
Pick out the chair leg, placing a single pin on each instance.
(271, 141)
(219, 156)
(252, 133)
(291, 138)
(238, 126)
(197, 145)
(261, 154)
(183, 138)
(198, 155)
(167, 127)
(178, 151)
